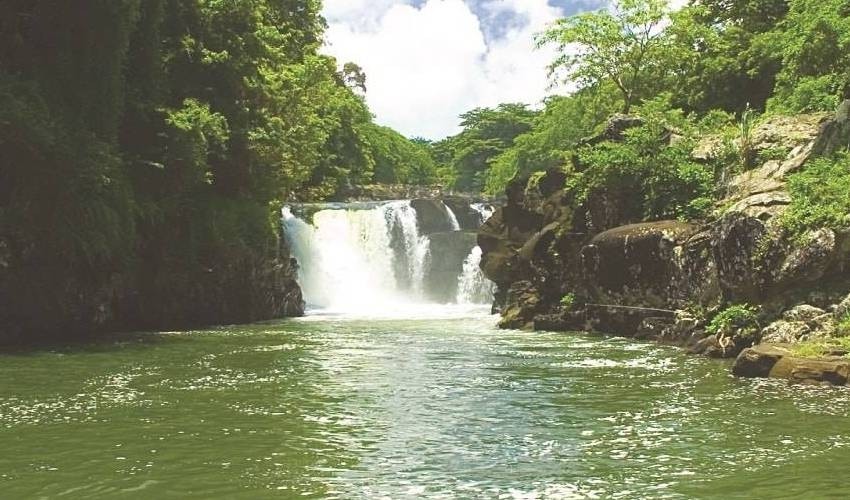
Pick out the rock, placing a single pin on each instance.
(777, 361)
(785, 332)
(447, 253)
(736, 241)
(787, 132)
(615, 129)
(834, 135)
(624, 320)
(842, 310)
(432, 216)
(708, 148)
(831, 370)
(653, 328)
(637, 265)
(501, 238)
(468, 218)
(758, 361)
(521, 306)
(803, 313)
(808, 262)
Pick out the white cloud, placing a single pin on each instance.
(425, 65)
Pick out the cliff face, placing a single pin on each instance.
(243, 286)
(599, 267)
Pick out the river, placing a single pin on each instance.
(382, 393)
(441, 406)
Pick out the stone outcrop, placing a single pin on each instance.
(778, 361)
(637, 279)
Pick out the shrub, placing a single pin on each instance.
(842, 329)
(568, 301)
(739, 320)
(657, 171)
(819, 196)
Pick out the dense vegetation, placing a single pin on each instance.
(712, 67)
(147, 144)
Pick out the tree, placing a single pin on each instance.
(354, 76)
(620, 46)
(487, 133)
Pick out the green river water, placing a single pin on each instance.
(446, 407)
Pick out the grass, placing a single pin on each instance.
(820, 348)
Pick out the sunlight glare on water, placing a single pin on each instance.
(338, 407)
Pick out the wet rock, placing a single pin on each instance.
(522, 304)
(467, 217)
(653, 328)
(625, 321)
(758, 361)
(501, 238)
(447, 253)
(432, 216)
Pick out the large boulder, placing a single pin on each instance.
(647, 265)
(778, 361)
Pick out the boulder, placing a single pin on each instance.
(432, 216)
(785, 332)
(777, 361)
(522, 304)
(834, 135)
(501, 238)
(467, 217)
(758, 361)
(637, 265)
(447, 253)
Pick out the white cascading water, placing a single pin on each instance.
(473, 287)
(484, 210)
(452, 218)
(370, 259)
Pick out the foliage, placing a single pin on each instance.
(814, 41)
(655, 171)
(148, 143)
(555, 133)
(487, 133)
(738, 320)
(820, 348)
(620, 46)
(568, 301)
(842, 329)
(819, 195)
(398, 159)
(722, 54)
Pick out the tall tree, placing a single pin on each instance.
(620, 46)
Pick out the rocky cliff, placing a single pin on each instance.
(597, 265)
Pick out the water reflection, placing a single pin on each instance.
(337, 407)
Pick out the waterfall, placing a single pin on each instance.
(452, 218)
(373, 258)
(485, 211)
(473, 287)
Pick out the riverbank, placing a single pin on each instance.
(717, 285)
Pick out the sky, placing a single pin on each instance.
(428, 61)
